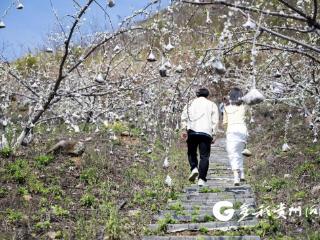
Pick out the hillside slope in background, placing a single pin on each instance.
(123, 103)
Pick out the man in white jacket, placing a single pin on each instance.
(199, 123)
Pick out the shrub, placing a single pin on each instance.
(87, 200)
(204, 230)
(44, 160)
(59, 211)
(13, 215)
(41, 226)
(3, 192)
(23, 191)
(6, 152)
(89, 175)
(113, 224)
(19, 170)
(162, 223)
(277, 183)
(36, 186)
(119, 127)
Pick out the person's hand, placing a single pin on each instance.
(214, 138)
(184, 135)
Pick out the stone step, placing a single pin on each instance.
(220, 177)
(200, 237)
(212, 202)
(222, 189)
(214, 196)
(205, 208)
(219, 189)
(225, 169)
(219, 159)
(220, 172)
(199, 216)
(193, 211)
(219, 183)
(210, 226)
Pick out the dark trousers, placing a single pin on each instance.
(203, 142)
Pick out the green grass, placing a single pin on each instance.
(162, 223)
(277, 183)
(88, 200)
(203, 230)
(90, 175)
(210, 190)
(6, 152)
(42, 226)
(44, 160)
(14, 215)
(19, 170)
(208, 218)
(59, 211)
(177, 207)
(3, 192)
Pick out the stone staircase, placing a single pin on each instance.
(192, 214)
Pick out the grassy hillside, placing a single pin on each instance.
(289, 177)
(96, 196)
(114, 188)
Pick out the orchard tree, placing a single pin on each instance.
(146, 69)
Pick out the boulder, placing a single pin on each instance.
(68, 147)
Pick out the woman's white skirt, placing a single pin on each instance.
(236, 142)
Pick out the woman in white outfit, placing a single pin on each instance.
(234, 118)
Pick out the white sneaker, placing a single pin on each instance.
(201, 183)
(236, 175)
(193, 175)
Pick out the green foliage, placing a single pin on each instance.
(177, 207)
(59, 211)
(89, 176)
(312, 150)
(135, 132)
(162, 223)
(87, 200)
(119, 127)
(3, 192)
(6, 152)
(42, 226)
(306, 167)
(203, 230)
(300, 195)
(19, 170)
(113, 224)
(200, 238)
(237, 205)
(208, 218)
(14, 215)
(270, 225)
(44, 160)
(27, 63)
(23, 191)
(36, 186)
(277, 183)
(313, 236)
(56, 191)
(209, 190)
